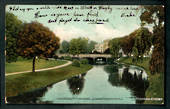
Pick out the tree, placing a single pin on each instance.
(137, 43)
(155, 15)
(12, 27)
(36, 40)
(127, 43)
(114, 46)
(143, 42)
(157, 59)
(78, 45)
(136, 54)
(65, 47)
(91, 46)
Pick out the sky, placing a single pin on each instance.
(116, 26)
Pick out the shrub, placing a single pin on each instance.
(76, 63)
(84, 61)
(110, 60)
(67, 58)
(21, 59)
(55, 57)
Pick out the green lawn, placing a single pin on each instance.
(17, 84)
(156, 81)
(26, 65)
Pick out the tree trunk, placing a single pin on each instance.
(33, 64)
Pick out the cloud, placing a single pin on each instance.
(96, 32)
(104, 32)
(68, 33)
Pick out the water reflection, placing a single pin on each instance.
(131, 77)
(76, 83)
(104, 84)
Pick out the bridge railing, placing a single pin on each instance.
(86, 55)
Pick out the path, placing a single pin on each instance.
(56, 67)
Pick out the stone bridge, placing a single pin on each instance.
(87, 55)
(92, 58)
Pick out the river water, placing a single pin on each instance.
(103, 84)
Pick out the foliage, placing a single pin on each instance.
(55, 57)
(91, 46)
(114, 46)
(78, 45)
(137, 43)
(127, 43)
(67, 58)
(110, 60)
(157, 60)
(107, 51)
(143, 42)
(12, 27)
(84, 61)
(36, 40)
(135, 52)
(64, 47)
(76, 63)
(155, 15)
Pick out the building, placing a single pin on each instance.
(102, 47)
(121, 52)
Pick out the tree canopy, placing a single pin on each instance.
(78, 45)
(155, 15)
(127, 42)
(114, 46)
(143, 42)
(36, 40)
(91, 46)
(64, 47)
(12, 28)
(137, 43)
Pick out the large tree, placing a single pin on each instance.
(127, 43)
(143, 43)
(36, 40)
(154, 15)
(12, 27)
(114, 46)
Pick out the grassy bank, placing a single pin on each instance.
(17, 84)
(156, 81)
(26, 65)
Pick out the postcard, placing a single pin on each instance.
(84, 54)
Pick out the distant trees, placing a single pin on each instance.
(155, 15)
(78, 45)
(12, 28)
(91, 46)
(36, 40)
(65, 47)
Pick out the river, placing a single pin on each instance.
(103, 84)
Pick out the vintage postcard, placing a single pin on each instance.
(84, 54)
